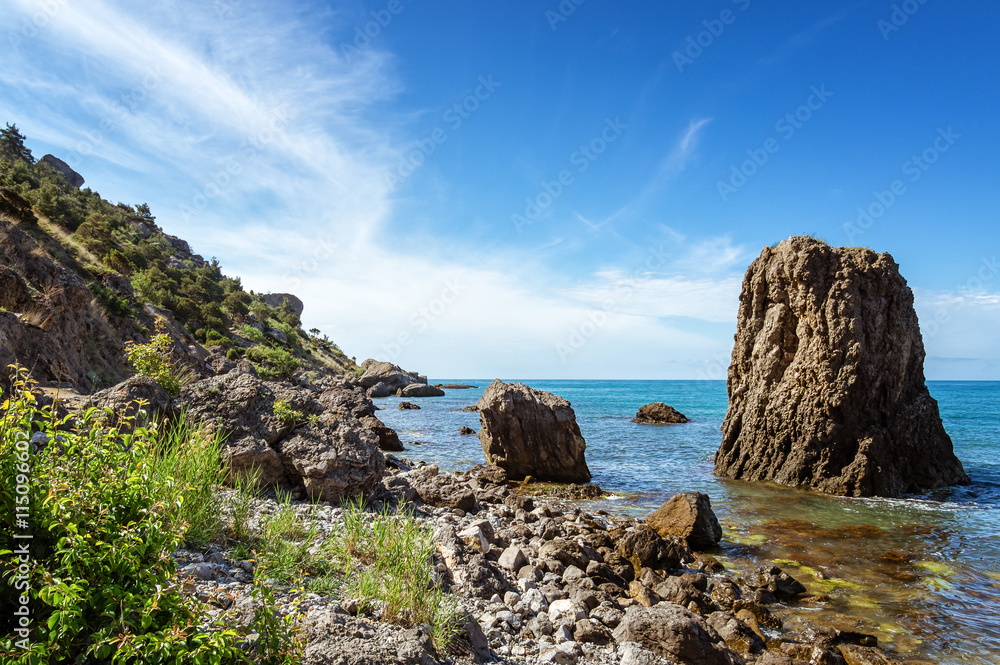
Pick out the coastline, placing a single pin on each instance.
(915, 545)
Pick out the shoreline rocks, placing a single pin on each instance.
(826, 385)
(658, 413)
(529, 432)
(688, 516)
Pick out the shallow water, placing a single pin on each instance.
(923, 573)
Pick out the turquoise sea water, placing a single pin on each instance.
(922, 573)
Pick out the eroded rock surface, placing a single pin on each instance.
(530, 432)
(658, 413)
(826, 386)
(689, 516)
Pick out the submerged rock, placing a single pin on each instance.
(530, 432)
(658, 413)
(826, 386)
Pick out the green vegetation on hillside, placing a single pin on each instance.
(103, 242)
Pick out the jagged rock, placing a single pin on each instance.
(529, 432)
(644, 548)
(278, 299)
(779, 583)
(408, 406)
(14, 292)
(737, 635)
(466, 431)
(71, 176)
(442, 490)
(658, 413)
(123, 400)
(826, 386)
(673, 632)
(388, 440)
(380, 390)
(419, 390)
(688, 516)
(394, 376)
(470, 409)
(333, 457)
(859, 655)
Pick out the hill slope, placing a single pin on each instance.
(81, 276)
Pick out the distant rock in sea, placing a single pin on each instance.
(530, 432)
(826, 386)
(658, 413)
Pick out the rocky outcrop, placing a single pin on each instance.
(529, 432)
(393, 376)
(14, 293)
(135, 402)
(419, 390)
(688, 516)
(658, 413)
(71, 176)
(279, 299)
(826, 386)
(329, 453)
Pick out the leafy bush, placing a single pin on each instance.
(252, 334)
(99, 579)
(272, 363)
(286, 413)
(153, 360)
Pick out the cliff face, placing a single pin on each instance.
(826, 385)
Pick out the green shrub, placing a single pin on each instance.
(252, 334)
(273, 363)
(99, 582)
(153, 360)
(286, 413)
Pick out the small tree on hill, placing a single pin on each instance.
(12, 145)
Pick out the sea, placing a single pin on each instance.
(921, 573)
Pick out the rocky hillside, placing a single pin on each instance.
(81, 276)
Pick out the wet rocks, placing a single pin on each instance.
(688, 516)
(779, 583)
(466, 431)
(529, 432)
(407, 406)
(658, 413)
(826, 385)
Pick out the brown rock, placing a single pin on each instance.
(688, 516)
(407, 406)
(675, 633)
(858, 655)
(644, 548)
(393, 376)
(466, 430)
(124, 399)
(658, 413)
(14, 294)
(826, 386)
(419, 390)
(388, 440)
(531, 432)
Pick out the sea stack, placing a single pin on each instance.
(826, 385)
(529, 432)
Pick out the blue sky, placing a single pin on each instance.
(536, 189)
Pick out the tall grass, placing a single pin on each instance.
(188, 455)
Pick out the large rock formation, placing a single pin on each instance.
(279, 299)
(826, 386)
(72, 177)
(529, 432)
(384, 378)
